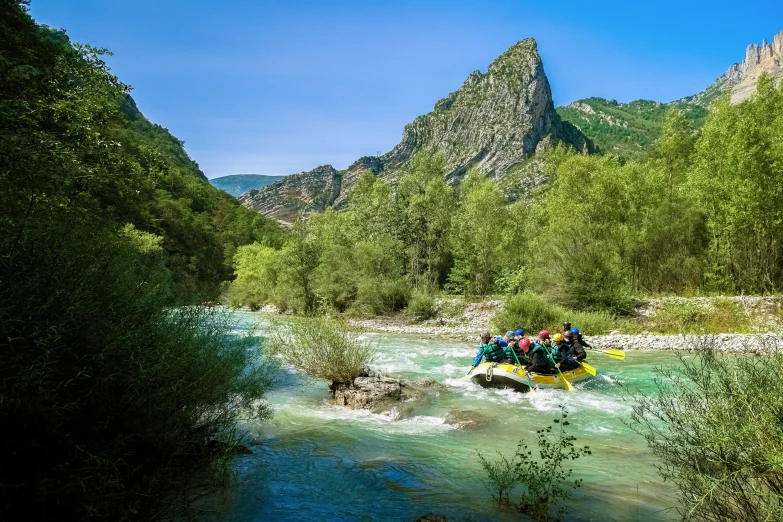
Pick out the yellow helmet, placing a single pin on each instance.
(557, 337)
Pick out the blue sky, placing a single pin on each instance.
(274, 87)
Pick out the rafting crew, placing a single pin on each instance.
(547, 354)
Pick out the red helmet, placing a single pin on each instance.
(543, 334)
(525, 343)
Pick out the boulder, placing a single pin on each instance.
(466, 420)
(367, 390)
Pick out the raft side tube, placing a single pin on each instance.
(512, 376)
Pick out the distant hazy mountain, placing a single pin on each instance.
(238, 184)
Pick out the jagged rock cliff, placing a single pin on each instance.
(629, 129)
(496, 120)
(741, 78)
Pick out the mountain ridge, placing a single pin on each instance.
(496, 120)
(628, 129)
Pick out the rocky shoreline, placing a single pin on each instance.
(464, 321)
(477, 317)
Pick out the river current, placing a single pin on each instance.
(317, 461)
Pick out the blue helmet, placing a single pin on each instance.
(521, 331)
(575, 331)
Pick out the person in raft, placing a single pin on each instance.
(512, 351)
(566, 328)
(515, 353)
(578, 339)
(522, 352)
(564, 359)
(576, 349)
(489, 350)
(539, 355)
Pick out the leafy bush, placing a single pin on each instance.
(502, 476)
(692, 317)
(421, 307)
(382, 296)
(111, 395)
(533, 312)
(529, 310)
(321, 347)
(256, 268)
(715, 425)
(545, 480)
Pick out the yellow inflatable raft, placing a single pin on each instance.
(495, 375)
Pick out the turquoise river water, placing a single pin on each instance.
(317, 461)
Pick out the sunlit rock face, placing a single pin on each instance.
(496, 120)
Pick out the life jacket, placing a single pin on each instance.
(543, 358)
(564, 351)
(577, 351)
(493, 352)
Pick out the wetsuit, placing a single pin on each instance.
(581, 340)
(577, 351)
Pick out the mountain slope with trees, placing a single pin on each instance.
(630, 129)
(496, 121)
(110, 395)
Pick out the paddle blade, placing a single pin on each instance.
(615, 354)
(589, 369)
(568, 385)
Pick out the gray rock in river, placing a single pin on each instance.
(368, 390)
(466, 420)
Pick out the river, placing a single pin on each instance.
(316, 461)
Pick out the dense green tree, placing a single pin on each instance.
(111, 392)
(427, 203)
(736, 179)
(477, 235)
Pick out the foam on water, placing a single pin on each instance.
(388, 422)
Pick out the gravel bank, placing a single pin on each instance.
(477, 317)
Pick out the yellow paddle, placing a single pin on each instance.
(529, 384)
(589, 369)
(568, 385)
(614, 354)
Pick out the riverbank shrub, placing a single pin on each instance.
(693, 317)
(322, 348)
(534, 312)
(421, 307)
(714, 423)
(112, 396)
(108, 394)
(540, 471)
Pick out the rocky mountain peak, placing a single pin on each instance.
(495, 120)
(741, 78)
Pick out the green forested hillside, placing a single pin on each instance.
(142, 175)
(627, 130)
(599, 232)
(108, 394)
